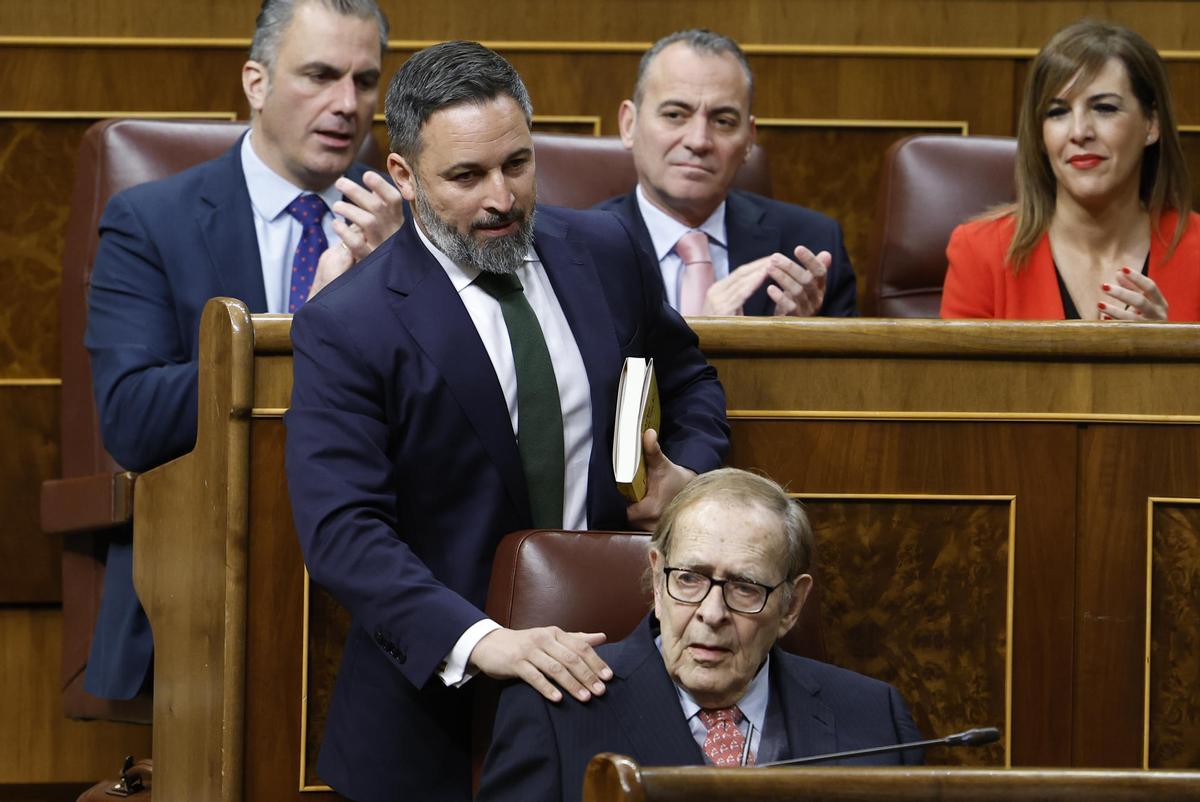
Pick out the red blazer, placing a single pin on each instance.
(980, 284)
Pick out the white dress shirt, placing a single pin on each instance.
(574, 394)
(278, 232)
(665, 231)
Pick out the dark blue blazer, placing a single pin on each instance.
(404, 473)
(540, 750)
(166, 248)
(758, 226)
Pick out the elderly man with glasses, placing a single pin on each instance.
(700, 681)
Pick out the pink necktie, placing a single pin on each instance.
(692, 248)
(725, 743)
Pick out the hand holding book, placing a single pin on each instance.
(664, 479)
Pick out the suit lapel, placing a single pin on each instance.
(429, 308)
(226, 222)
(649, 706)
(749, 238)
(576, 282)
(811, 728)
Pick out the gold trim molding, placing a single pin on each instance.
(982, 416)
(554, 46)
(30, 382)
(104, 115)
(959, 126)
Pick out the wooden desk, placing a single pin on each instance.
(1000, 508)
(614, 778)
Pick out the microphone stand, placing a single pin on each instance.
(974, 737)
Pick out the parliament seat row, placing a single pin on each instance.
(930, 184)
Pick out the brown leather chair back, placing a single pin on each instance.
(586, 582)
(930, 184)
(114, 155)
(580, 171)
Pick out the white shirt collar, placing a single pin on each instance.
(270, 193)
(665, 230)
(753, 703)
(460, 277)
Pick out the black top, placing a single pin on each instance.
(1069, 310)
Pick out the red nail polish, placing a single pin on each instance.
(1126, 270)
(1105, 287)
(1101, 306)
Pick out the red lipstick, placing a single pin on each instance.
(1085, 161)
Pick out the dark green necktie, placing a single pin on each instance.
(539, 413)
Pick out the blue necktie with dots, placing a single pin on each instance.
(309, 210)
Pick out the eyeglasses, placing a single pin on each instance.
(741, 596)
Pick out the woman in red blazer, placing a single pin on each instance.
(1102, 228)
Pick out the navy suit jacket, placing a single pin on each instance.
(404, 473)
(166, 247)
(757, 226)
(540, 749)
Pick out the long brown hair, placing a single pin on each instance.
(1083, 49)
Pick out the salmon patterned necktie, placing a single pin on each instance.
(725, 743)
(698, 274)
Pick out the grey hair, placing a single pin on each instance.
(275, 16)
(443, 75)
(702, 41)
(744, 489)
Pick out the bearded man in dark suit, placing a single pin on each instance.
(458, 384)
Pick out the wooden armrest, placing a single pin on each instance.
(81, 503)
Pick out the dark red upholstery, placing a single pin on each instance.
(930, 184)
(580, 171)
(94, 494)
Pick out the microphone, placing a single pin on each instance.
(978, 736)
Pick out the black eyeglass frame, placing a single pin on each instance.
(721, 583)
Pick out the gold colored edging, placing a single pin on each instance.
(304, 696)
(961, 126)
(1009, 584)
(30, 382)
(104, 115)
(1150, 502)
(551, 46)
(980, 417)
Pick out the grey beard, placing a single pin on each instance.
(501, 255)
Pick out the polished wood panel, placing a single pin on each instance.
(616, 778)
(936, 23)
(328, 624)
(1111, 588)
(37, 743)
(915, 592)
(32, 571)
(191, 524)
(37, 168)
(925, 508)
(1174, 652)
(868, 457)
(801, 153)
(277, 644)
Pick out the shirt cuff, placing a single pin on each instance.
(455, 672)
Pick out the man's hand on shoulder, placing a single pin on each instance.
(373, 212)
(798, 289)
(547, 658)
(664, 480)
